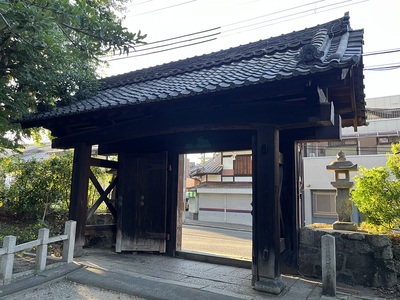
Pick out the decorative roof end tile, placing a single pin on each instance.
(316, 50)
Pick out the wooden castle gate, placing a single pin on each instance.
(265, 96)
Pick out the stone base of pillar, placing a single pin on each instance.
(78, 251)
(272, 286)
(348, 226)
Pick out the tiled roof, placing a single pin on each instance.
(211, 166)
(312, 50)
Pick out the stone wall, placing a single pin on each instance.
(100, 231)
(361, 258)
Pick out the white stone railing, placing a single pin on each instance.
(10, 248)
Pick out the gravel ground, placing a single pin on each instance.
(64, 289)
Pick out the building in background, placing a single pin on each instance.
(221, 188)
(367, 147)
(225, 190)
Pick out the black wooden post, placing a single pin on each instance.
(289, 201)
(79, 193)
(266, 228)
(172, 201)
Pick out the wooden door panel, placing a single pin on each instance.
(141, 222)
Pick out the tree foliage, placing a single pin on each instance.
(37, 186)
(49, 52)
(377, 192)
(41, 187)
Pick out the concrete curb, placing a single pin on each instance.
(47, 276)
(226, 226)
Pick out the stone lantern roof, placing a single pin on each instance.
(341, 164)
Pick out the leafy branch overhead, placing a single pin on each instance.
(49, 51)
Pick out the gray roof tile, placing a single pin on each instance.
(211, 166)
(312, 50)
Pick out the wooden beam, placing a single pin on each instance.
(185, 142)
(234, 116)
(79, 193)
(103, 163)
(320, 133)
(103, 196)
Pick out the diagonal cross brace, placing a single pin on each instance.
(103, 196)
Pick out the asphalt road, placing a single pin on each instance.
(230, 243)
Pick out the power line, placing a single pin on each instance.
(164, 50)
(179, 42)
(273, 13)
(289, 17)
(382, 52)
(182, 36)
(139, 3)
(383, 67)
(146, 46)
(163, 8)
(282, 18)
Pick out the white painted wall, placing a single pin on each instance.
(227, 179)
(374, 127)
(239, 209)
(214, 178)
(384, 102)
(220, 205)
(243, 179)
(316, 177)
(227, 162)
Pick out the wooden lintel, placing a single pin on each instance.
(294, 114)
(102, 163)
(320, 133)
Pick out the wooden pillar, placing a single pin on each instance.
(266, 274)
(79, 193)
(289, 201)
(172, 201)
(180, 200)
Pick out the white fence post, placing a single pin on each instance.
(41, 250)
(69, 244)
(7, 261)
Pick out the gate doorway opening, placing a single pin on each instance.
(215, 211)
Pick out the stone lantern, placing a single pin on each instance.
(342, 183)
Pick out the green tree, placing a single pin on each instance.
(42, 187)
(377, 192)
(37, 186)
(49, 53)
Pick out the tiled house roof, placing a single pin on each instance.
(333, 45)
(211, 166)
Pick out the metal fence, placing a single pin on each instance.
(10, 248)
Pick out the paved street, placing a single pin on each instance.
(230, 243)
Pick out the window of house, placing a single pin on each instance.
(344, 142)
(324, 204)
(242, 165)
(387, 140)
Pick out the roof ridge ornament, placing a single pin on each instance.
(316, 50)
